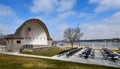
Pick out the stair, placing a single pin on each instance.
(26, 47)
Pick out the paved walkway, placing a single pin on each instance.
(98, 60)
(75, 58)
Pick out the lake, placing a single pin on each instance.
(95, 43)
(100, 44)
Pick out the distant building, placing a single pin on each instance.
(32, 32)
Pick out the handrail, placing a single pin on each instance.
(27, 46)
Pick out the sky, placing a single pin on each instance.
(97, 19)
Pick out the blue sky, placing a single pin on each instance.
(98, 19)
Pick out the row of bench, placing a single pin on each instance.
(69, 52)
(108, 54)
(72, 52)
(89, 52)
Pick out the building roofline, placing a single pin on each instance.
(33, 21)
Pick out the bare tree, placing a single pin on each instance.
(72, 35)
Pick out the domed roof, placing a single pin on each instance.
(18, 31)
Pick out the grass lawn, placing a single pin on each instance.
(49, 52)
(17, 62)
(118, 51)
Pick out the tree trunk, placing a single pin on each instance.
(72, 45)
(79, 43)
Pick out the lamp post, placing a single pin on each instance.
(115, 42)
(79, 43)
(105, 44)
(118, 45)
(1, 34)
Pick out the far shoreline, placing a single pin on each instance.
(94, 47)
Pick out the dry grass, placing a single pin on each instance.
(118, 51)
(48, 52)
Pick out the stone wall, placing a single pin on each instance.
(50, 42)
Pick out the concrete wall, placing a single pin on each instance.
(37, 36)
(13, 46)
(50, 42)
(2, 48)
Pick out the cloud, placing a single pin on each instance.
(86, 16)
(94, 1)
(5, 29)
(106, 28)
(9, 26)
(60, 28)
(5, 10)
(61, 18)
(48, 6)
(65, 5)
(59, 24)
(8, 20)
(105, 5)
(42, 6)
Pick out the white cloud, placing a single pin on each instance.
(8, 20)
(60, 18)
(60, 28)
(105, 5)
(94, 1)
(65, 5)
(42, 6)
(10, 25)
(106, 28)
(47, 6)
(60, 24)
(6, 29)
(5, 10)
(86, 16)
